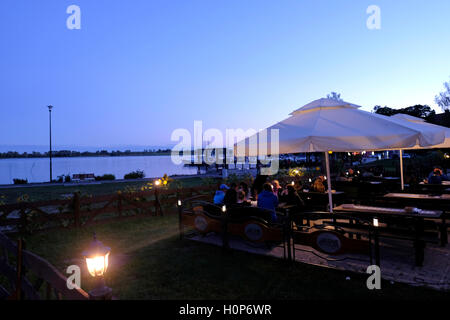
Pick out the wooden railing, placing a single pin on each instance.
(80, 211)
(30, 277)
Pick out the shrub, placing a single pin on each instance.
(107, 176)
(138, 174)
(67, 178)
(20, 181)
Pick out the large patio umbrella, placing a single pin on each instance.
(425, 128)
(329, 125)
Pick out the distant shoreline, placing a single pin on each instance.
(75, 154)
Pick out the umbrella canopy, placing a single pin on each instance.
(327, 124)
(331, 125)
(425, 127)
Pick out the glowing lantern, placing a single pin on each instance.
(375, 222)
(97, 256)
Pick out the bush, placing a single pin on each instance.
(20, 181)
(138, 174)
(105, 177)
(67, 178)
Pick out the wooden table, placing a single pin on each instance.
(389, 211)
(418, 196)
(419, 215)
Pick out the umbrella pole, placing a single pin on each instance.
(401, 170)
(330, 198)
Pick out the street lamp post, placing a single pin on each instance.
(50, 126)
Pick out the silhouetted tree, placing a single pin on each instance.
(418, 110)
(386, 111)
(443, 98)
(334, 96)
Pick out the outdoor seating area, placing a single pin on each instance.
(358, 215)
(407, 246)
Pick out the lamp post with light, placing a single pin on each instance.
(97, 256)
(375, 224)
(50, 127)
(180, 219)
(157, 202)
(225, 242)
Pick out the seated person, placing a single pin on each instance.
(276, 187)
(220, 194)
(267, 200)
(231, 195)
(241, 199)
(347, 175)
(437, 176)
(318, 185)
(244, 187)
(291, 197)
(257, 186)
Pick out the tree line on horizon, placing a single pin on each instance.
(69, 153)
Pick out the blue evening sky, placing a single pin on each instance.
(139, 69)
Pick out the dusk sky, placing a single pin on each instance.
(137, 70)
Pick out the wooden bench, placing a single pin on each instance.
(328, 237)
(204, 218)
(395, 223)
(26, 273)
(83, 177)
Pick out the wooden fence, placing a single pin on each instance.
(79, 211)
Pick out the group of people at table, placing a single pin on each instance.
(262, 194)
(269, 195)
(436, 176)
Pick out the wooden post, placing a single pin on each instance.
(180, 217)
(402, 183)
(157, 203)
(76, 209)
(119, 205)
(17, 294)
(225, 242)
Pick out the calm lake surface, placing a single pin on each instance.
(37, 169)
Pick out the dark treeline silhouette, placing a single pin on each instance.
(69, 153)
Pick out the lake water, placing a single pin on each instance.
(37, 169)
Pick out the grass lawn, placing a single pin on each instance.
(58, 191)
(150, 262)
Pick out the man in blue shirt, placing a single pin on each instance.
(437, 176)
(267, 200)
(220, 194)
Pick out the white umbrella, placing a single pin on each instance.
(330, 125)
(426, 128)
(420, 124)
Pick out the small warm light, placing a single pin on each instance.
(325, 177)
(292, 183)
(97, 257)
(358, 172)
(446, 156)
(224, 208)
(330, 152)
(157, 182)
(97, 266)
(346, 173)
(309, 180)
(375, 222)
(373, 153)
(179, 203)
(348, 153)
